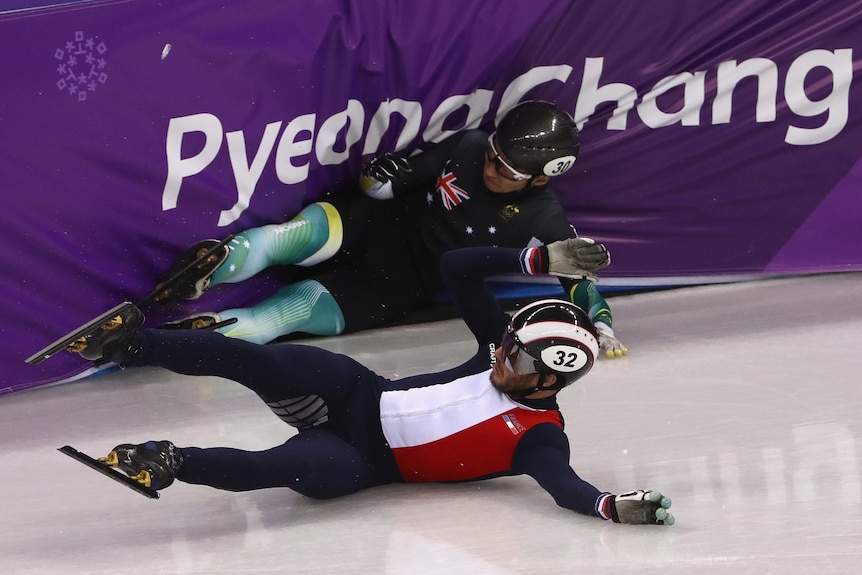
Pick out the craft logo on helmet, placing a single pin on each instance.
(287, 146)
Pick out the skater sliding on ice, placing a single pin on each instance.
(362, 262)
(495, 414)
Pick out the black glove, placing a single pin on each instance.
(382, 175)
(387, 168)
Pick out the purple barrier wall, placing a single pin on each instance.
(718, 138)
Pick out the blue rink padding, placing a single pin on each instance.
(518, 287)
(514, 294)
(521, 290)
(517, 290)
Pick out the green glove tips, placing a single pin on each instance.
(641, 508)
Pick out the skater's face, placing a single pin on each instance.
(508, 379)
(501, 176)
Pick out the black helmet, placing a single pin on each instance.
(557, 337)
(539, 138)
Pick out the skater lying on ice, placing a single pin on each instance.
(494, 415)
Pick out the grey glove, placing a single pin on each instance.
(577, 258)
(641, 508)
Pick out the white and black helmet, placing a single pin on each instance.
(553, 336)
(539, 137)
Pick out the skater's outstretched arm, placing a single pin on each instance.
(465, 270)
(543, 454)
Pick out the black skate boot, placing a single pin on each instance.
(192, 283)
(153, 464)
(202, 320)
(112, 338)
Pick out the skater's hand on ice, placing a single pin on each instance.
(641, 508)
(608, 343)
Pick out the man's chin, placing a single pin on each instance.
(503, 388)
(492, 186)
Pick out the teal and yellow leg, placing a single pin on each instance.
(305, 306)
(313, 236)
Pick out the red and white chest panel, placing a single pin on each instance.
(455, 431)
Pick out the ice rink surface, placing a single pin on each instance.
(741, 402)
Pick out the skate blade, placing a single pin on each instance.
(105, 468)
(77, 334)
(164, 289)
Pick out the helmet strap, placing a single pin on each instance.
(559, 382)
(521, 394)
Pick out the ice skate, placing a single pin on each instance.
(102, 467)
(115, 334)
(153, 464)
(189, 277)
(113, 328)
(641, 508)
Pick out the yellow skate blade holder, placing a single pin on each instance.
(81, 343)
(144, 478)
(110, 460)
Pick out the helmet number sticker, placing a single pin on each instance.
(558, 166)
(564, 358)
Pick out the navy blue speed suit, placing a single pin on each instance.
(451, 425)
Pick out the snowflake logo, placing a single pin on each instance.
(81, 66)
